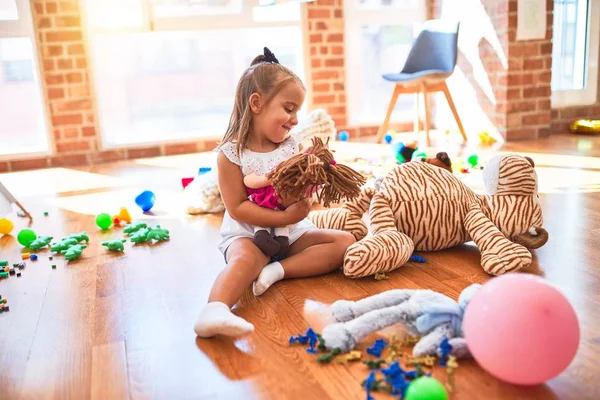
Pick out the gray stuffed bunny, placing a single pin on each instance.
(425, 313)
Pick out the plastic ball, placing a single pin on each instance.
(426, 388)
(6, 226)
(388, 138)
(145, 200)
(344, 136)
(104, 221)
(26, 236)
(473, 160)
(521, 329)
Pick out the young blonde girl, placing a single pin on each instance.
(267, 100)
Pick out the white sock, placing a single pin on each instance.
(269, 275)
(217, 319)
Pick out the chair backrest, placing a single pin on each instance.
(435, 48)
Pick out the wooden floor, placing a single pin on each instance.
(120, 326)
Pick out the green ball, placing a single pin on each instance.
(104, 221)
(426, 388)
(473, 160)
(26, 236)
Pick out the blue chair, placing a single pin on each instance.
(430, 62)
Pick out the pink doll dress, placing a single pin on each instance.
(265, 197)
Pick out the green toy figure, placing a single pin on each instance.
(139, 236)
(134, 227)
(114, 245)
(157, 234)
(41, 241)
(83, 236)
(63, 245)
(74, 252)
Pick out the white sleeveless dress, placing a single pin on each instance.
(260, 164)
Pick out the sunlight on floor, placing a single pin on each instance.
(168, 204)
(56, 180)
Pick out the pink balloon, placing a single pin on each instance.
(521, 329)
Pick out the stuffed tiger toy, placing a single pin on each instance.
(420, 206)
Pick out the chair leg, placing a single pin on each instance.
(427, 113)
(417, 124)
(454, 112)
(384, 126)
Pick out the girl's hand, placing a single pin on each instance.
(299, 210)
(254, 181)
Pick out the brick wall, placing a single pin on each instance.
(64, 59)
(521, 89)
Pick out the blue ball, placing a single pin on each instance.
(388, 138)
(344, 136)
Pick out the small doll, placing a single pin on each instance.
(261, 192)
(304, 174)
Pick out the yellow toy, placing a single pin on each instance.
(451, 365)
(6, 226)
(485, 138)
(123, 216)
(586, 126)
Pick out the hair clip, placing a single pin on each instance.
(270, 57)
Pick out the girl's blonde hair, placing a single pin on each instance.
(266, 77)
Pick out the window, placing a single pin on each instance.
(378, 35)
(23, 128)
(169, 73)
(575, 52)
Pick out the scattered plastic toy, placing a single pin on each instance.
(73, 252)
(134, 227)
(81, 237)
(45, 213)
(6, 226)
(114, 245)
(451, 365)
(33, 257)
(63, 245)
(377, 348)
(145, 200)
(139, 236)
(344, 136)
(473, 160)
(123, 215)
(159, 234)
(26, 236)
(425, 360)
(388, 138)
(353, 355)
(426, 388)
(3, 263)
(40, 242)
(380, 276)
(417, 258)
(444, 351)
(104, 221)
(25, 256)
(374, 364)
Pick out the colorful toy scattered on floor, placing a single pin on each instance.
(585, 126)
(145, 200)
(71, 246)
(396, 380)
(114, 245)
(344, 136)
(6, 226)
(4, 305)
(26, 236)
(104, 221)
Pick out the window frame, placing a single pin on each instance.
(589, 94)
(241, 20)
(19, 28)
(354, 18)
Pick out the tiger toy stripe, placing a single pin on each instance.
(422, 207)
